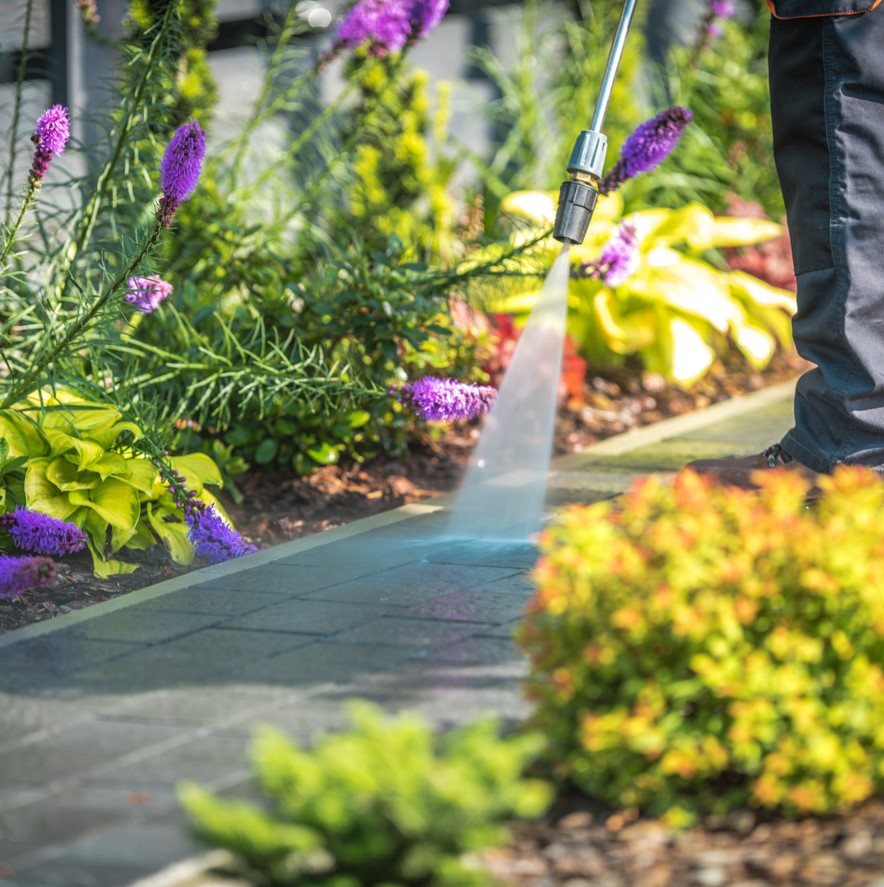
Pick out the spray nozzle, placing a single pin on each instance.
(579, 193)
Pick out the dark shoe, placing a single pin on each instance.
(739, 472)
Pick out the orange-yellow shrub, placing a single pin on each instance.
(696, 648)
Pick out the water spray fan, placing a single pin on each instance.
(579, 193)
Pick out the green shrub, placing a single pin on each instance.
(383, 803)
(702, 648)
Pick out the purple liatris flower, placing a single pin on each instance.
(721, 8)
(213, 539)
(650, 143)
(446, 400)
(424, 15)
(146, 293)
(619, 257)
(180, 169)
(50, 137)
(384, 24)
(42, 534)
(20, 574)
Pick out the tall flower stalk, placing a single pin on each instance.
(51, 135)
(647, 147)
(179, 171)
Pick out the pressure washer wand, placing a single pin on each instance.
(579, 193)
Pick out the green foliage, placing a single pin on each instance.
(727, 150)
(383, 803)
(398, 186)
(73, 459)
(191, 91)
(701, 648)
(678, 309)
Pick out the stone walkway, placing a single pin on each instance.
(103, 711)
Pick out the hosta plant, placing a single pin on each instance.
(72, 459)
(668, 305)
(699, 648)
(381, 803)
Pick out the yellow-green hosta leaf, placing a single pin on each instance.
(686, 285)
(664, 227)
(23, 435)
(112, 465)
(753, 288)
(104, 569)
(756, 343)
(42, 495)
(88, 453)
(172, 533)
(625, 333)
(680, 352)
(691, 356)
(198, 469)
(114, 501)
(141, 474)
(66, 476)
(538, 207)
(735, 231)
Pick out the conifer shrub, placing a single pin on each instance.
(381, 803)
(698, 648)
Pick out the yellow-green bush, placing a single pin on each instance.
(385, 803)
(699, 648)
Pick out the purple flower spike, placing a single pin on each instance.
(647, 147)
(146, 293)
(619, 257)
(50, 137)
(180, 169)
(42, 534)
(384, 24)
(213, 540)
(424, 15)
(722, 8)
(20, 574)
(446, 400)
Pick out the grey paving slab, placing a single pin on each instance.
(308, 616)
(406, 585)
(141, 626)
(103, 711)
(67, 754)
(213, 600)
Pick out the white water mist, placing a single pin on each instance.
(503, 492)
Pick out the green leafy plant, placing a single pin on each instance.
(701, 648)
(677, 309)
(383, 803)
(72, 459)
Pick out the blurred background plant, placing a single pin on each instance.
(675, 306)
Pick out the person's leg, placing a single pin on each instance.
(827, 109)
(827, 105)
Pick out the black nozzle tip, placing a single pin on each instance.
(576, 204)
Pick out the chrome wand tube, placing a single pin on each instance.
(579, 193)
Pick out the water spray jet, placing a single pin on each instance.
(503, 493)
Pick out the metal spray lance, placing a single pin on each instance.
(579, 193)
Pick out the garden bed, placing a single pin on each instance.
(278, 508)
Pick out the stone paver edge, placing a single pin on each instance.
(621, 443)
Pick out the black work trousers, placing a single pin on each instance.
(827, 106)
